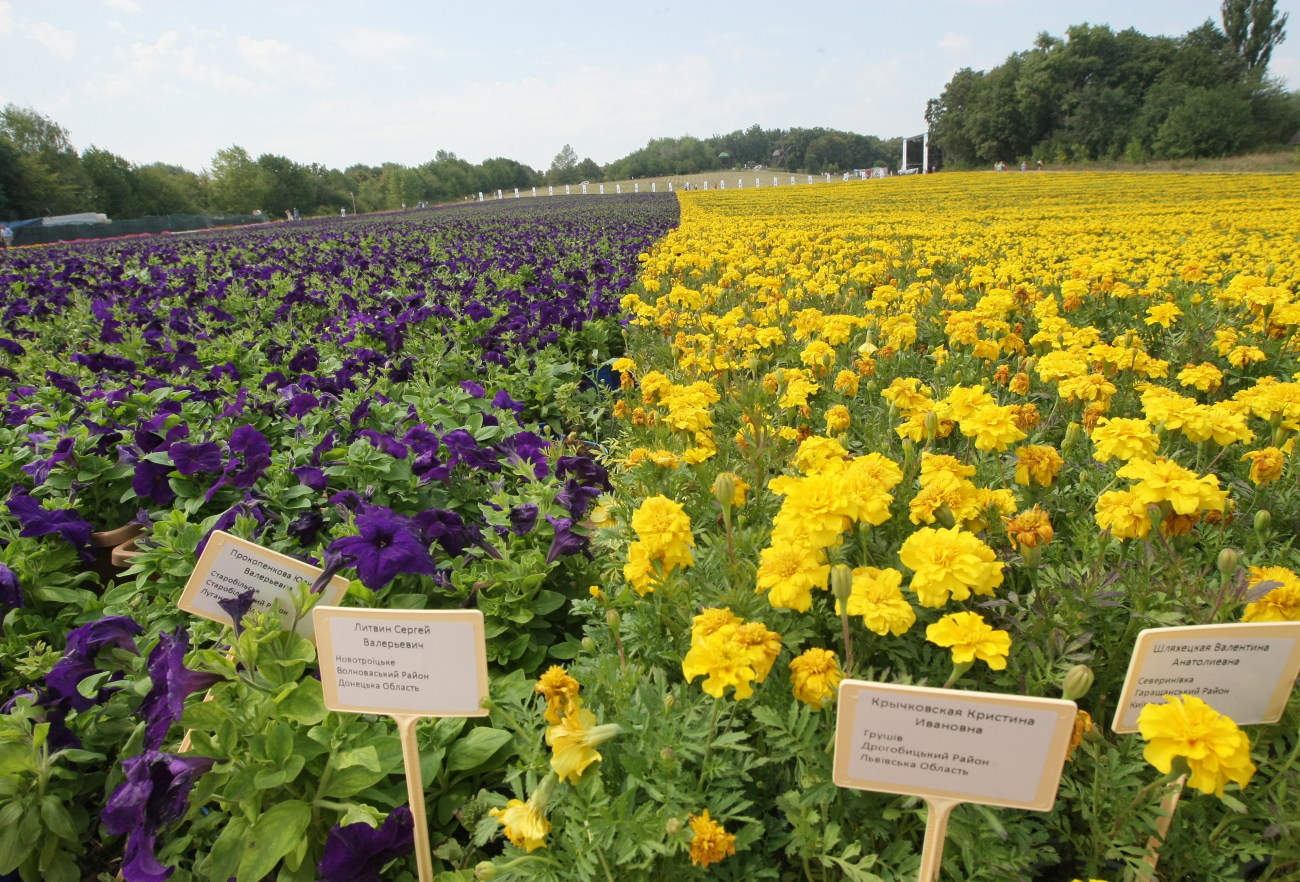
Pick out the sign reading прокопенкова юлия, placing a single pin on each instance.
(1245, 671)
(1003, 750)
(230, 566)
(402, 662)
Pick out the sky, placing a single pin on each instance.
(342, 82)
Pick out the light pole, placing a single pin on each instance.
(354, 201)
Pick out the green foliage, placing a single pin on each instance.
(1097, 95)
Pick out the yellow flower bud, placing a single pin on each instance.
(842, 582)
(724, 489)
(1078, 680)
(1072, 433)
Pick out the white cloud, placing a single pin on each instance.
(386, 47)
(954, 43)
(279, 59)
(175, 65)
(59, 43)
(6, 19)
(123, 5)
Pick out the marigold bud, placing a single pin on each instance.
(673, 826)
(724, 489)
(485, 871)
(588, 644)
(1229, 561)
(1072, 433)
(842, 582)
(612, 618)
(943, 514)
(1262, 520)
(1078, 680)
(931, 425)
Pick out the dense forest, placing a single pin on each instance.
(1100, 95)
(1093, 94)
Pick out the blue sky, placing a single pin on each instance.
(345, 81)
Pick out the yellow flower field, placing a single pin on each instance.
(1025, 415)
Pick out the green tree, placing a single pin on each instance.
(285, 184)
(1253, 29)
(564, 167)
(112, 183)
(238, 183)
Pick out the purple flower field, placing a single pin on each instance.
(408, 400)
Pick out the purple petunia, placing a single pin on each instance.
(522, 518)
(566, 541)
(237, 607)
(190, 459)
(78, 660)
(387, 544)
(38, 521)
(11, 590)
(156, 793)
(172, 683)
(359, 852)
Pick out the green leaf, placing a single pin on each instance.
(226, 851)
(276, 833)
(304, 704)
(366, 757)
(476, 748)
(57, 818)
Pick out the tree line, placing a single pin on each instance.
(42, 174)
(1100, 95)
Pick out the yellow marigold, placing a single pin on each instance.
(949, 562)
(710, 842)
(1030, 529)
(970, 638)
(1123, 438)
(1184, 726)
(1037, 464)
(866, 482)
(943, 489)
(736, 655)
(963, 402)
(1090, 387)
(1281, 603)
(1265, 464)
(622, 410)
(815, 675)
(838, 419)
(1026, 416)
(818, 454)
(1124, 514)
(846, 381)
(819, 502)
(908, 394)
(639, 571)
(1204, 376)
(1163, 314)
(1163, 480)
(664, 529)
(1240, 356)
(560, 691)
(877, 596)
(932, 463)
(993, 428)
(525, 822)
(573, 742)
(789, 572)
(1082, 726)
(1019, 383)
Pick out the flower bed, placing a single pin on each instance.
(971, 431)
(411, 400)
